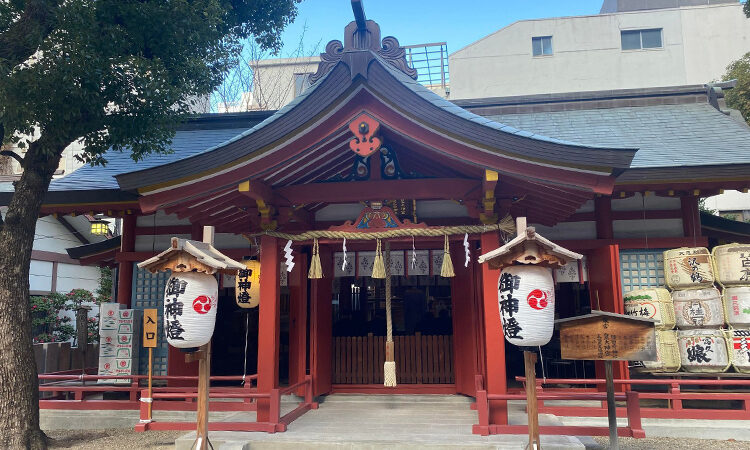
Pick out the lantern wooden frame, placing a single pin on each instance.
(529, 248)
(192, 256)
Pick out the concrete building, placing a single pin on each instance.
(629, 44)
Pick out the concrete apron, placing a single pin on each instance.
(348, 421)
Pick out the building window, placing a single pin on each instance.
(301, 82)
(640, 39)
(541, 45)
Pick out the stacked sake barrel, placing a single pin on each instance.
(656, 303)
(698, 310)
(732, 266)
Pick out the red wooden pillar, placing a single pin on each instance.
(603, 210)
(605, 290)
(268, 323)
(125, 268)
(494, 340)
(465, 352)
(691, 219)
(321, 325)
(298, 321)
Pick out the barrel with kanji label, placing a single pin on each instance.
(526, 299)
(667, 354)
(698, 308)
(688, 268)
(703, 350)
(737, 306)
(190, 304)
(732, 264)
(654, 304)
(739, 341)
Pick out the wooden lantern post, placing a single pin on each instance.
(529, 248)
(193, 256)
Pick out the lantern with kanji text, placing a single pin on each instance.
(191, 294)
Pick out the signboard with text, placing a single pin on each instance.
(607, 336)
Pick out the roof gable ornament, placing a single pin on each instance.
(192, 256)
(359, 36)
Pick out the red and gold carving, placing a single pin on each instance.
(365, 143)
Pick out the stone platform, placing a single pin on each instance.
(348, 421)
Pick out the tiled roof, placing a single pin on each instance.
(693, 134)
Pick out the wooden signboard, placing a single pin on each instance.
(149, 328)
(607, 336)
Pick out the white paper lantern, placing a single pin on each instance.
(698, 308)
(190, 303)
(526, 299)
(737, 306)
(703, 351)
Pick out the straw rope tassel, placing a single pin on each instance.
(316, 270)
(389, 368)
(378, 268)
(447, 268)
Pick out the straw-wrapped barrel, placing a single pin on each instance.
(732, 264)
(698, 308)
(739, 341)
(737, 306)
(667, 354)
(688, 268)
(703, 350)
(655, 303)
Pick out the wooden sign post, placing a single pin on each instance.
(149, 341)
(609, 337)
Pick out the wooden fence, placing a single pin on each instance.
(419, 359)
(60, 356)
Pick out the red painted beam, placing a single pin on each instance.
(341, 192)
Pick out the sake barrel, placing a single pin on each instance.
(698, 308)
(526, 299)
(703, 350)
(654, 304)
(739, 341)
(737, 306)
(688, 268)
(732, 264)
(190, 304)
(667, 354)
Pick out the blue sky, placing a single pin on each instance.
(457, 22)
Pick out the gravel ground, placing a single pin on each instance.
(115, 439)
(674, 443)
(122, 439)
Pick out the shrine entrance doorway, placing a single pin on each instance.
(422, 330)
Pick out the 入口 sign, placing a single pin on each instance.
(149, 328)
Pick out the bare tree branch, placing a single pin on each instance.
(13, 155)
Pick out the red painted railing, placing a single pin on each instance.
(276, 422)
(672, 393)
(484, 427)
(81, 392)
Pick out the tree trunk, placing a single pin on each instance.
(19, 396)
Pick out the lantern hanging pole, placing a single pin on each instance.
(529, 364)
(204, 375)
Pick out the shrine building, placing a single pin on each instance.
(615, 176)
